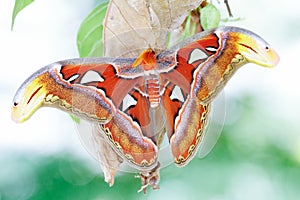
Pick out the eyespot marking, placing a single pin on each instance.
(267, 47)
(177, 94)
(127, 102)
(211, 49)
(196, 54)
(91, 76)
(73, 78)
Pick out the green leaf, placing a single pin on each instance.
(89, 37)
(190, 27)
(189, 30)
(19, 5)
(209, 17)
(75, 119)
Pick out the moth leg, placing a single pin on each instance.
(150, 178)
(189, 130)
(128, 141)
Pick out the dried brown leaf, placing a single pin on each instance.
(108, 159)
(132, 26)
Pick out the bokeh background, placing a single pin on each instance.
(256, 157)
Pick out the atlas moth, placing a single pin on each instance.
(95, 89)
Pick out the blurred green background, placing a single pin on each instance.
(256, 157)
(246, 163)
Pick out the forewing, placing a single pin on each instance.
(88, 88)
